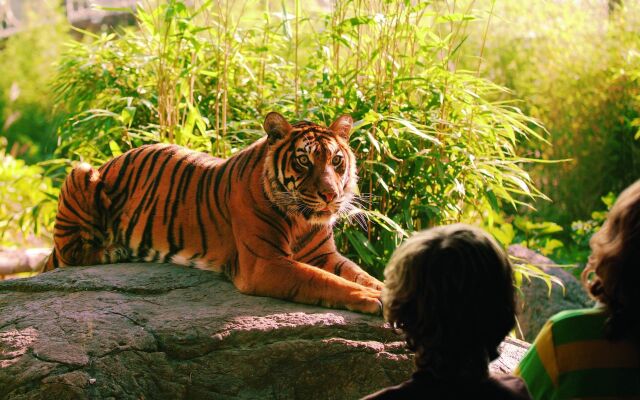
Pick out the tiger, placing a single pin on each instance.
(263, 217)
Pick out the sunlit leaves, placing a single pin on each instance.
(432, 141)
(27, 206)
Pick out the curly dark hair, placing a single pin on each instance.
(450, 290)
(612, 275)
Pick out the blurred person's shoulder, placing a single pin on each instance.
(507, 387)
(420, 386)
(599, 312)
(578, 325)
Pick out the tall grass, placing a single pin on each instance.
(577, 66)
(436, 143)
(27, 112)
(27, 201)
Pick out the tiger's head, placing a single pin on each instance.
(309, 169)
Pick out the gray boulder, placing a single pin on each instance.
(154, 331)
(536, 304)
(15, 261)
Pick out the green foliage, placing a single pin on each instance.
(578, 249)
(27, 110)
(185, 76)
(433, 143)
(577, 66)
(537, 236)
(27, 204)
(569, 248)
(582, 230)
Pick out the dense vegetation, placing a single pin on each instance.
(450, 100)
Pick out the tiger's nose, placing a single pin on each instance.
(327, 195)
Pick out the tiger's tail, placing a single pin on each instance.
(49, 263)
(80, 233)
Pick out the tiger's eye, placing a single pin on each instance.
(336, 160)
(303, 160)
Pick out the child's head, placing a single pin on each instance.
(450, 290)
(612, 274)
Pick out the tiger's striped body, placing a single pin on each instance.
(263, 217)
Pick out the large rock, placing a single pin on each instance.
(537, 303)
(15, 261)
(153, 331)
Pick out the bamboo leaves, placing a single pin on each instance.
(432, 140)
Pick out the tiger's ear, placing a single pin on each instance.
(342, 126)
(276, 127)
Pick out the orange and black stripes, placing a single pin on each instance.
(81, 218)
(262, 217)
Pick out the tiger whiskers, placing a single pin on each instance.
(290, 202)
(353, 209)
(353, 214)
(284, 199)
(299, 208)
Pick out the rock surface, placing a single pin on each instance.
(22, 260)
(536, 304)
(145, 331)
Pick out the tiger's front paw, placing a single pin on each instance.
(114, 254)
(367, 301)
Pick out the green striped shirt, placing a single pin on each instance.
(571, 359)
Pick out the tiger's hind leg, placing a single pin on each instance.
(81, 234)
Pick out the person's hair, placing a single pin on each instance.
(450, 290)
(612, 275)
